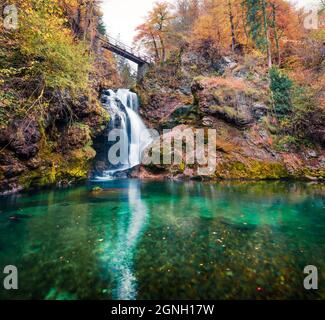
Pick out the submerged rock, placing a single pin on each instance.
(20, 216)
(238, 226)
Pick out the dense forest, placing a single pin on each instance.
(267, 35)
(248, 67)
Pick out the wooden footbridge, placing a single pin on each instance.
(127, 52)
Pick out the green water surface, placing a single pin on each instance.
(165, 240)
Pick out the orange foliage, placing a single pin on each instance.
(155, 32)
(215, 23)
(233, 83)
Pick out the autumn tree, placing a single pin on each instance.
(258, 23)
(220, 21)
(85, 17)
(154, 33)
(270, 22)
(46, 56)
(186, 14)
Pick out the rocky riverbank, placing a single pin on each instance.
(232, 97)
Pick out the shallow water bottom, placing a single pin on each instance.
(165, 240)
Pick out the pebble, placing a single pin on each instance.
(229, 273)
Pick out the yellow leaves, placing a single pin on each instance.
(58, 60)
(318, 35)
(215, 24)
(156, 31)
(9, 72)
(28, 11)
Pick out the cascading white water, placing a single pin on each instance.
(128, 98)
(123, 107)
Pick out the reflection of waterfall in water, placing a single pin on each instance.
(119, 251)
(134, 136)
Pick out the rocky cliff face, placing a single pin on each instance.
(49, 108)
(36, 154)
(234, 99)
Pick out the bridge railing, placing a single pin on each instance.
(124, 47)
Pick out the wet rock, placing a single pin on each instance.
(161, 106)
(186, 90)
(237, 226)
(14, 219)
(10, 165)
(311, 154)
(75, 137)
(106, 92)
(64, 183)
(23, 137)
(104, 99)
(241, 73)
(223, 64)
(207, 121)
(13, 170)
(182, 115)
(226, 98)
(96, 189)
(9, 186)
(20, 216)
(259, 110)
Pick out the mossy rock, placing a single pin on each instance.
(255, 170)
(96, 189)
(73, 167)
(230, 115)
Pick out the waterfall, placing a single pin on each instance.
(128, 98)
(123, 107)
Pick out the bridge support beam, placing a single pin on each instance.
(142, 70)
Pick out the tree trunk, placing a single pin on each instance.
(232, 27)
(267, 35)
(244, 23)
(276, 36)
(163, 49)
(156, 47)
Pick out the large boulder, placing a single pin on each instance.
(22, 137)
(234, 100)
